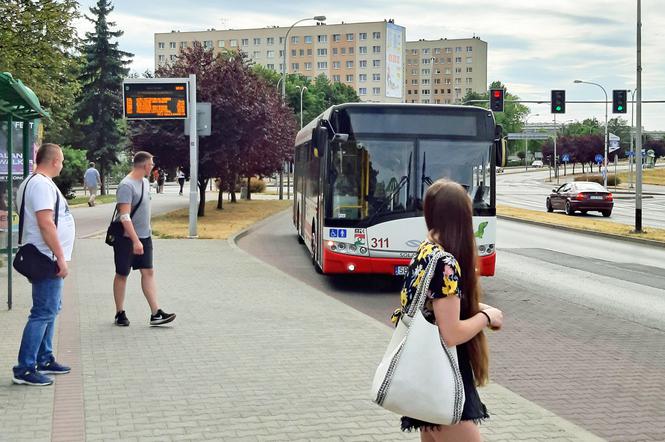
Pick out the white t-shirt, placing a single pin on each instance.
(41, 195)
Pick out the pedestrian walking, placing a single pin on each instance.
(181, 178)
(161, 178)
(134, 250)
(91, 181)
(452, 303)
(48, 225)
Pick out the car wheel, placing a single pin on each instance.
(606, 213)
(548, 205)
(569, 209)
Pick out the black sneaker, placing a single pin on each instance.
(121, 319)
(161, 318)
(53, 367)
(31, 377)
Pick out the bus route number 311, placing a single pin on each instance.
(379, 243)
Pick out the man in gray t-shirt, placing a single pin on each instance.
(92, 181)
(134, 250)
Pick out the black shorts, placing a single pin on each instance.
(125, 260)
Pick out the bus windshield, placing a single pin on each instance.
(372, 178)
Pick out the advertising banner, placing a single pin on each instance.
(394, 61)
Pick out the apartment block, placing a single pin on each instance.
(373, 57)
(366, 56)
(443, 71)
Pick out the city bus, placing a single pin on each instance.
(361, 172)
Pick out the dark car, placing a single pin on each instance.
(582, 196)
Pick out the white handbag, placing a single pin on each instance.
(419, 375)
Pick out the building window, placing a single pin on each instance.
(458, 59)
(308, 39)
(437, 81)
(173, 57)
(426, 51)
(308, 66)
(376, 49)
(160, 45)
(309, 51)
(349, 64)
(281, 40)
(448, 81)
(270, 54)
(172, 45)
(234, 43)
(270, 41)
(349, 37)
(343, 51)
(447, 71)
(349, 78)
(424, 61)
(301, 52)
(337, 37)
(376, 35)
(458, 70)
(208, 44)
(161, 58)
(322, 65)
(336, 65)
(414, 51)
(322, 38)
(322, 52)
(334, 51)
(469, 49)
(362, 78)
(376, 77)
(425, 72)
(424, 81)
(376, 63)
(469, 70)
(257, 41)
(295, 39)
(414, 81)
(257, 54)
(362, 35)
(437, 51)
(414, 71)
(362, 91)
(458, 49)
(469, 59)
(294, 52)
(281, 53)
(449, 60)
(244, 42)
(183, 44)
(350, 50)
(220, 43)
(468, 90)
(295, 66)
(336, 78)
(449, 50)
(270, 66)
(469, 80)
(458, 81)
(362, 64)
(376, 91)
(424, 92)
(362, 49)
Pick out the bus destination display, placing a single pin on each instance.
(155, 100)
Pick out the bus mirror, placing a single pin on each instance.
(342, 138)
(499, 146)
(320, 139)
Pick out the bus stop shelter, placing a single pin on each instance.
(18, 103)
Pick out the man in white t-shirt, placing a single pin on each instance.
(40, 196)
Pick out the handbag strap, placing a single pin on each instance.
(421, 293)
(135, 208)
(22, 210)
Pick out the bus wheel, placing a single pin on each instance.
(315, 252)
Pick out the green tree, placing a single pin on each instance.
(72, 170)
(100, 104)
(37, 46)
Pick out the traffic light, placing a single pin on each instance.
(496, 100)
(619, 101)
(558, 102)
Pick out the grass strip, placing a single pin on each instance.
(217, 224)
(581, 222)
(83, 200)
(649, 176)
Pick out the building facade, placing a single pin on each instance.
(373, 58)
(444, 71)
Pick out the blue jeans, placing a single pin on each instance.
(37, 343)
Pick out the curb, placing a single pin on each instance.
(649, 242)
(233, 240)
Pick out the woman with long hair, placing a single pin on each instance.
(453, 303)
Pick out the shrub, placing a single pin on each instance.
(612, 179)
(72, 171)
(256, 185)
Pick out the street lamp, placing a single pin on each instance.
(605, 92)
(526, 141)
(632, 138)
(301, 89)
(318, 18)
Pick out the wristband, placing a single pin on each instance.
(489, 320)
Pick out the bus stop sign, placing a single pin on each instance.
(147, 100)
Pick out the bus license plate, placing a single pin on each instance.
(401, 270)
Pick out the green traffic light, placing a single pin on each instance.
(558, 108)
(620, 108)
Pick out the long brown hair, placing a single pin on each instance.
(449, 219)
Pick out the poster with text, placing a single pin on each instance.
(394, 61)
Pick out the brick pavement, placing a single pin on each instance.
(253, 355)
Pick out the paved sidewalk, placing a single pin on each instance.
(253, 355)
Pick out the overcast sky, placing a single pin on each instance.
(533, 46)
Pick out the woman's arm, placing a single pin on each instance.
(454, 330)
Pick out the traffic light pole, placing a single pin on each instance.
(638, 141)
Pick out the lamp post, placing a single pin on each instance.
(526, 141)
(638, 122)
(301, 89)
(286, 39)
(631, 159)
(605, 92)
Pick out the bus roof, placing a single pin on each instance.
(306, 132)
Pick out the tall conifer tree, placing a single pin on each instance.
(100, 104)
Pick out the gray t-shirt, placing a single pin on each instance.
(129, 191)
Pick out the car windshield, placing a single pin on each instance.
(589, 187)
(372, 178)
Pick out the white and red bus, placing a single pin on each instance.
(361, 171)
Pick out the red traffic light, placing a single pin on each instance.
(496, 93)
(496, 100)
